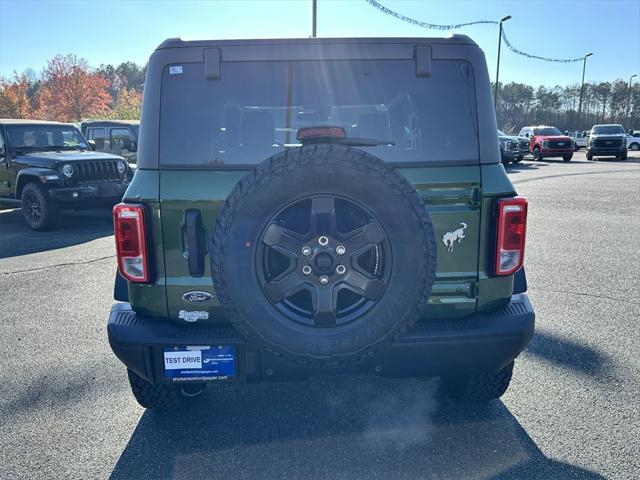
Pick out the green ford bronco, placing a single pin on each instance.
(319, 206)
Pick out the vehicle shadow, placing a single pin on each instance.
(525, 165)
(74, 227)
(574, 161)
(569, 354)
(335, 427)
(613, 160)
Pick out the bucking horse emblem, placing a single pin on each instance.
(450, 238)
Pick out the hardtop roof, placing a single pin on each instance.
(19, 121)
(455, 39)
(111, 122)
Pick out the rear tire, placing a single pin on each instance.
(634, 146)
(479, 388)
(40, 211)
(567, 158)
(537, 156)
(153, 396)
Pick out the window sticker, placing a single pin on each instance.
(175, 70)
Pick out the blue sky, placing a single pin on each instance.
(112, 31)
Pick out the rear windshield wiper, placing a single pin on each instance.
(348, 141)
(363, 142)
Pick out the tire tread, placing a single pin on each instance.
(153, 396)
(482, 387)
(317, 155)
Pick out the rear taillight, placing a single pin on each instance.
(131, 246)
(512, 229)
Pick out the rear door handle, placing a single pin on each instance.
(196, 245)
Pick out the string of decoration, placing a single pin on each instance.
(536, 57)
(434, 26)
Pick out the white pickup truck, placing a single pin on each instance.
(633, 140)
(580, 139)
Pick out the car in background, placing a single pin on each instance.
(49, 166)
(512, 148)
(580, 139)
(546, 141)
(633, 140)
(609, 140)
(119, 137)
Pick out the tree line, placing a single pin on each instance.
(68, 89)
(602, 102)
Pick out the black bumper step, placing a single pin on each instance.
(481, 342)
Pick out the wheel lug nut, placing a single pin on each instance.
(341, 269)
(323, 241)
(324, 279)
(306, 270)
(340, 250)
(306, 251)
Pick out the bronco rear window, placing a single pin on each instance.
(255, 109)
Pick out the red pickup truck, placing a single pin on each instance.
(548, 142)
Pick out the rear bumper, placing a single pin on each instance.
(106, 192)
(481, 342)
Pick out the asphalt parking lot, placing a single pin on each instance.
(571, 410)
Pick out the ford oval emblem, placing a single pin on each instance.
(197, 297)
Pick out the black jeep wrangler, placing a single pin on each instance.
(119, 137)
(319, 206)
(47, 166)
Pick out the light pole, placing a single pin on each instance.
(314, 9)
(629, 97)
(584, 66)
(495, 93)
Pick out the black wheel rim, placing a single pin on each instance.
(323, 261)
(32, 208)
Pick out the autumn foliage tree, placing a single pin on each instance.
(14, 97)
(127, 106)
(71, 91)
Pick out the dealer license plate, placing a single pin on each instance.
(200, 363)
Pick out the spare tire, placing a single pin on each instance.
(323, 254)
